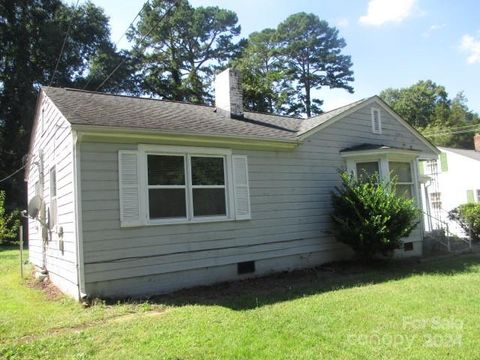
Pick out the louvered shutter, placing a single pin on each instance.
(421, 168)
(443, 162)
(241, 191)
(470, 197)
(129, 188)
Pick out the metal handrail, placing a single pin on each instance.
(448, 234)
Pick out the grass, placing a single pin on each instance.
(397, 311)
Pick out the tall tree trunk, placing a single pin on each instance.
(308, 100)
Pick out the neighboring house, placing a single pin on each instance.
(453, 179)
(147, 196)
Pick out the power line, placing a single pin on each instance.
(140, 42)
(132, 22)
(121, 37)
(63, 47)
(453, 129)
(12, 174)
(123, 60)
(453, 132)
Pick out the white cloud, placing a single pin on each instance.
(342, 23)
(384, 11)
(432, 29)
(471, 46)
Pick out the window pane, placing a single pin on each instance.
(207, 171)
(368, 168)
(404, 190)
(167, 203)
(207, 202)
(166, 170)
(401, 170)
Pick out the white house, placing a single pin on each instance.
(144, 196)
(453, 179)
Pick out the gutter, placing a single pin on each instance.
(133, 134)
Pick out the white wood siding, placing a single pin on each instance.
(56, 142)
(462, 175)
(290, 207)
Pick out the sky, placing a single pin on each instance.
(393, 43)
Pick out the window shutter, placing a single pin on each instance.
(128, 187)
(443, 162)
(421, 168)
(470, 198)
(241, 191)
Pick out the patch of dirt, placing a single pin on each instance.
(85, 326)
(50, 291)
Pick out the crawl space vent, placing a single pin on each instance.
(246, 267)
(408, 246)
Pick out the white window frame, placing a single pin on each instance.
(411, 183)
(367, 161)
(188, 152)
(436, 200)
(384, 169)
(374, 128)
(153, 187)
(432, 167)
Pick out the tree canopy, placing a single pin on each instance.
(31, 36)
(427, 106)
(311, 50)
(283, 66)
(179, 57)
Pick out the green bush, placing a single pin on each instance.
(370, 217)
(468, 217)
(9, 223)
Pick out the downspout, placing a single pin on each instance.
(43, 211)
(78, 216)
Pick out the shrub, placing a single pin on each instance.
(370, 217)
(468, 217)
(9, 223)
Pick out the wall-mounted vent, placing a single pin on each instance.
(408, 246)
(246, 267)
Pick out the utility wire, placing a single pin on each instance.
(123, 60)
(140, 42)
(453, 129)
(12, 174)
(453, 132)
(63, 46)
(121, 37)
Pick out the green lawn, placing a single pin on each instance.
(405, 311)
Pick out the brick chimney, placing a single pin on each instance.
(228, 94)
(476, 141)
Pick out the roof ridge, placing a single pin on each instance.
(202, 105)
(338, 108)
(273, 114)
(126, 96)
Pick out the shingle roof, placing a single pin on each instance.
(99, 109)
(472, 154)
(309, 124)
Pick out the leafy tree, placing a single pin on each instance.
(468, 217)
(31, 36)
(264, 78)
(312, 52)
(421, 104)
(426, 106)
(369, 216)
(178, 58)
(9, 223)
